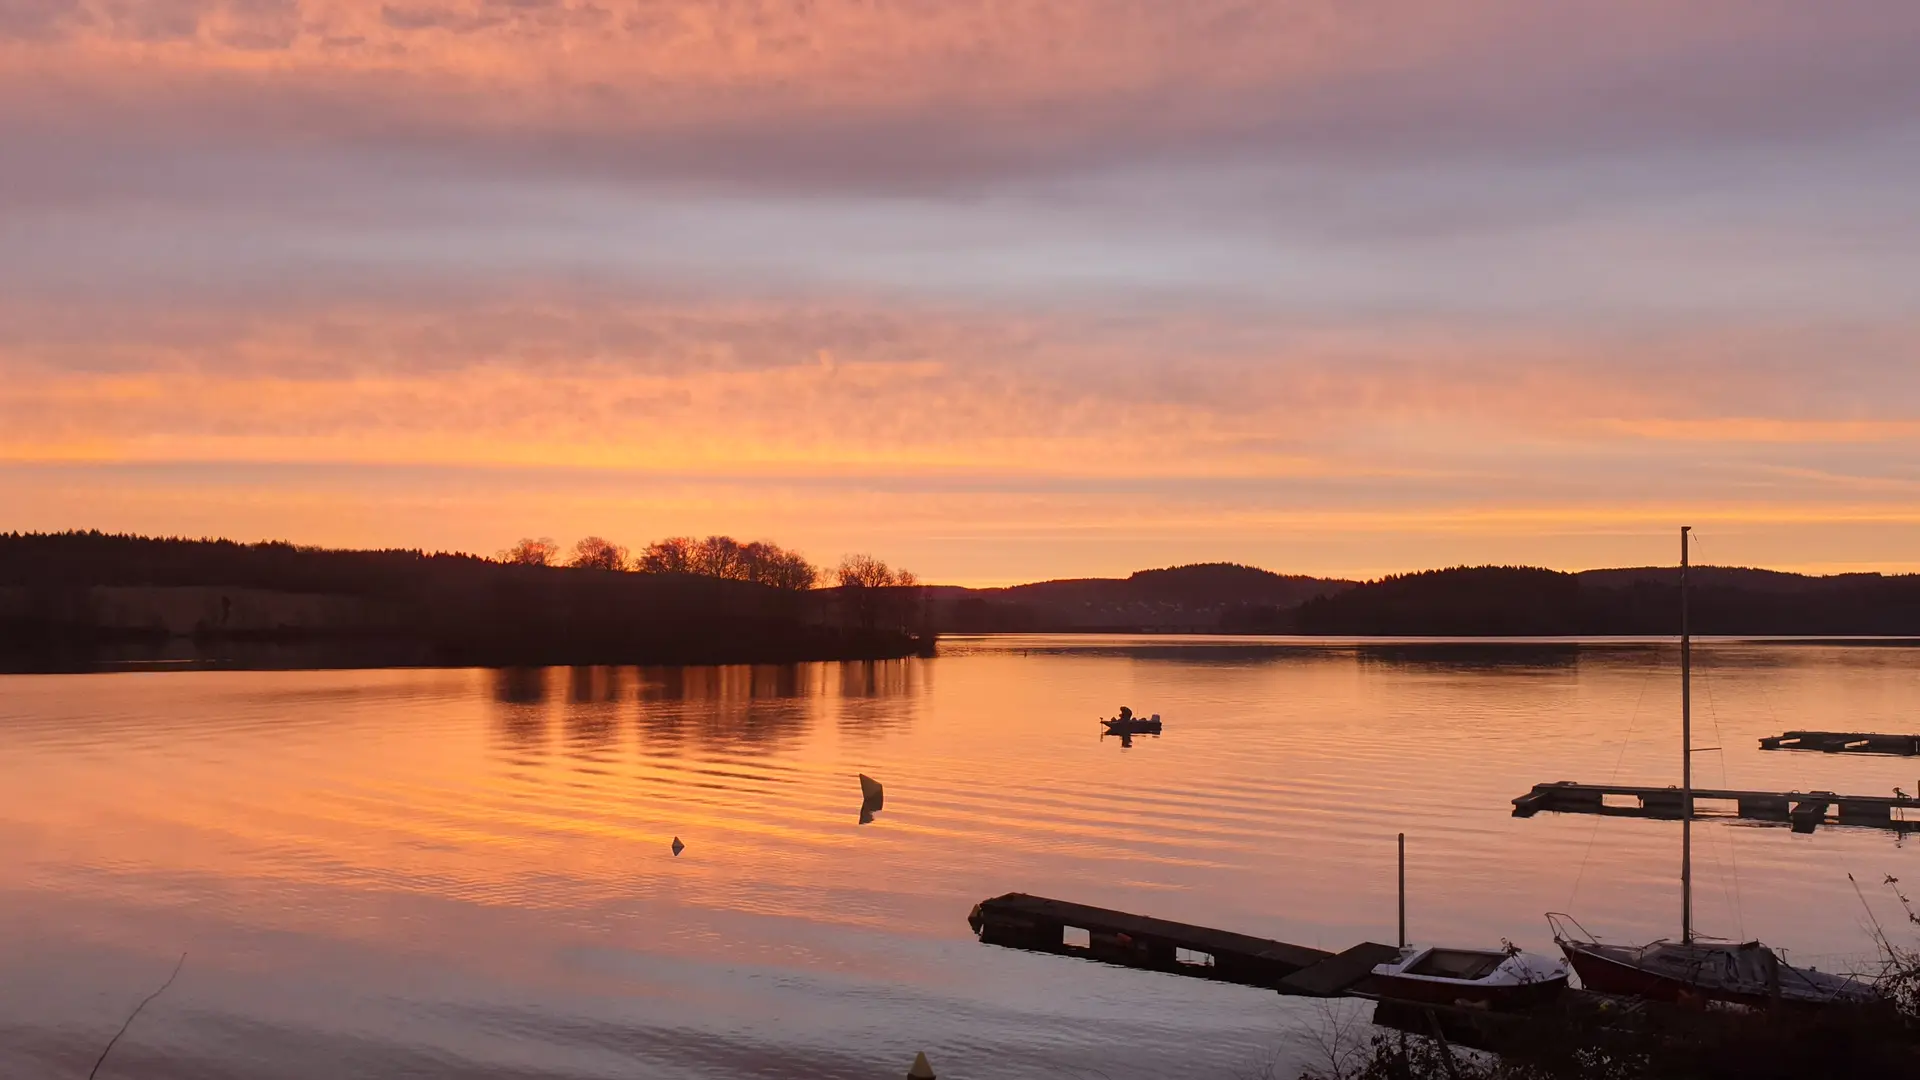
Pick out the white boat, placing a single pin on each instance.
(1478, 978)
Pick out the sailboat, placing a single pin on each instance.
(1746, 973)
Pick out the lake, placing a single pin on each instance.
(467, 873)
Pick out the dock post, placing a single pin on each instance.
(1403, 890)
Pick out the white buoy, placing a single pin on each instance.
(678, 847)
(921, 1070)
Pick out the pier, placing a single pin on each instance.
(1038, 924)
(1059, 927)
(1804, 810)
(1844, 742)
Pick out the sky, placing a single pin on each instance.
(998, 290)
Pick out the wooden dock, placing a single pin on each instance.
(1038, 924)
(1844, 742)
(1804, 810)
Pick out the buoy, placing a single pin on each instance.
(921, 1070)
(678, 847)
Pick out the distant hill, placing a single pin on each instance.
(1524, 601)
(1479, 601)
(1201, 597)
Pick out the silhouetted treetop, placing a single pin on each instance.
(597, 553)
(674, 555)
(867, 572)
(760, 562)
(530, 552)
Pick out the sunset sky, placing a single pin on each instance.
(996, 289)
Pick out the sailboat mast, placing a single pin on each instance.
(1686, 752)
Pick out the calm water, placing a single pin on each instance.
(467, 873)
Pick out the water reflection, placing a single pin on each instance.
(881, 678)
(520, 686)
(340, 837)
(757, 708)
(521, 716)
(586, 685)
(592, 733)
(1475, 658)
(739, 682)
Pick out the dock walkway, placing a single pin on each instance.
(1844, 742)
(1806, 810)
(1039, 924)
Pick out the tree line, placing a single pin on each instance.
(418, 608)
(758, 561)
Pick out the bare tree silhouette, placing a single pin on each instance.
(598, 553)
(719, 556)
(876, 592)
(867, 572)
(760, 562)
(674, 555)
(530, 552)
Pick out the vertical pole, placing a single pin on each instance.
(1686, 752)
(1403, 890)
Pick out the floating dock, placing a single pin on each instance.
(1844, 742)
(1038, 924)
(1805, 810)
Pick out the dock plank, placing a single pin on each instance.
(1038, 924)
(1144, 927)
(1341, 973)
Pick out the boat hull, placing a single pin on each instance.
(1604, 975)
(1445, 992)
(1790, 986)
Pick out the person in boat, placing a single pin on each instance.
(1126, 714)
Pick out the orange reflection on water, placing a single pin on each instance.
(510, 829)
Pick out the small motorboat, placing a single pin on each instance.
(1497, 979)
(1128, 724)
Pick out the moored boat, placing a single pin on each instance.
(1497, 979)
(1741, 973)
(1746, 973)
